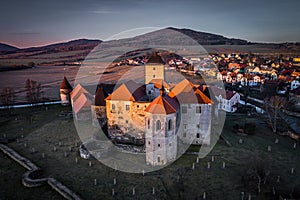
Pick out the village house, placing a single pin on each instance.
(65, 90)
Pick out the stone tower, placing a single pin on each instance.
(161, 138)
(65, 90)
(154, 68)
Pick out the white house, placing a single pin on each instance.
(295, 84)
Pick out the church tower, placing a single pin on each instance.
(65, 90)
(160, 137)
(154, 68)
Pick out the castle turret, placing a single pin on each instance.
(154, 68)
(65, 90)
(161, 138)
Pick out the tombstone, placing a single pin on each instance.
(115, 181)
(43, 155)
(295, 145)
(59, 143)
(76, 160)
(178, 178)
(240, 141)
(193, 167)
(113, 192)
(70, 149)
(46, 108)
(292, 171)
(32, 150)
(276, 141)
(278, 179)
(204, 195)
(269, 148)
(249, 197)
(25, 145)
(143, 172)
(22, 136)
(4, 135)
(54, 148)
(90, 163)
(197, 160)
(224, 165)
(133, 191)
(153, 191)
(208, 165)
(18, 140)
(274, 191)
(243, 195)
(95, 181)
(65, 154)
(212, 158)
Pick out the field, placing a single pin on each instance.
(42, 129)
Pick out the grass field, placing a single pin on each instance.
(43, 129)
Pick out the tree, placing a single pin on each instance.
(272, 107)
(7, 96)
(33, 90)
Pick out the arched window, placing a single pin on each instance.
(170, 125)
(158, 125)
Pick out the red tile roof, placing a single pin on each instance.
(65, 84)
(129, 91)
(163, 104)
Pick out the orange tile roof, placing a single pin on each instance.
(163, 104)
(129, 91)
(83, 101)
(77, 91)
(157, 83)
(65, 84)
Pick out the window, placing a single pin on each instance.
(170, 125)
(127, 107)
(149, 142)
(126, 121)
(113, 106)
(170, 144)
(198, 109)
(184, 126)
(198, 135)
(153, 76)
(158, 158)
(184, 109)
(148, 123)
(158, 145)
(184, 134)
(158, 125)
(154, 68)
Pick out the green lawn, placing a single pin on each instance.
(43, 129)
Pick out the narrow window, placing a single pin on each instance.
(153, 76)
(127, 107)
(154, 68)
(198, 135)
(169, 125)
(148, 123)
(158, 159)
(184, 109)
(184, 134)
(113, 107)
(158, 145)
(158, 125)
(198, 109)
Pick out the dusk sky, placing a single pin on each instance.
(39, 22)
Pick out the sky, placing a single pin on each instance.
(40, 22)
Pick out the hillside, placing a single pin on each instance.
(209, 38)
(7, 48)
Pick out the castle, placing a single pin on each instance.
(155, 114)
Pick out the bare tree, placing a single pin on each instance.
(272, 107)
(33, 90)
(7, 96)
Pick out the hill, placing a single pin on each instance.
(204, 38)
(7, 48)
